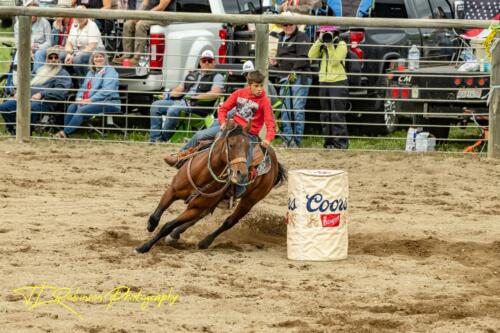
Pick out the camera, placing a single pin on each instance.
(327, 37)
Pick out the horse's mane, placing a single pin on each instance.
(236, 130)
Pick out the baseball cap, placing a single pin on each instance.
(52, 50)
(248, 66)
(207, 54)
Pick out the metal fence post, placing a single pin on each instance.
(23, 92)
(494, 117)
(262, 48)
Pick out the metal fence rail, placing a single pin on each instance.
(374, 110)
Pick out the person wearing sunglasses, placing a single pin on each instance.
(294, 71)
(196, 94)
(49, 86)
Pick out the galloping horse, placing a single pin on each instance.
(203, 181)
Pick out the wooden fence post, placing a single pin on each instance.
(262, 57)
(262, 48)
(23, 91)
(494, 117)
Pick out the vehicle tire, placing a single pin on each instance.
(386, 119)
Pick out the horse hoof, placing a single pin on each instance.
(203, 245)
(142, 249)
(152, 224)
(169, 240)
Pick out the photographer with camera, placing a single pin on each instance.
(332, 52)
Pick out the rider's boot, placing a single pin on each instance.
(174, 159)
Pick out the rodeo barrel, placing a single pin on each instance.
(317, 215)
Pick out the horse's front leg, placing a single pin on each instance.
(176, 234)
(241, 210)
(190, 214)
(166, 200)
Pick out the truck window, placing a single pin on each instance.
(442, 9)
(392, 10)
(231, 6)
(193, 6)
(238, 6)
(423, 9)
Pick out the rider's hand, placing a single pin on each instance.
(37, 96)
(265, 143)
(223, 126)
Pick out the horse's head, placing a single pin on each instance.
(238, 144)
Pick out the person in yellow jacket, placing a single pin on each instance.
(333, 91)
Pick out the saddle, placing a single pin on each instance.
(257, 154)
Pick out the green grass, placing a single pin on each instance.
(5, 56)
(394, 142)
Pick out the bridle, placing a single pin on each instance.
(225, 176)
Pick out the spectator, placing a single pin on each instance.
(135, 32)
(60, 31)
(250, 104)
(103, 25)
(84, 37)
(200, 87)
(294, 87)
(98, 94)
(333, 89)
(300, 6)
(49, 85)
(40, 32)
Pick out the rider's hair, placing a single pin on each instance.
(255, 77)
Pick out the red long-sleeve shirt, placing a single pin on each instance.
(248, 107)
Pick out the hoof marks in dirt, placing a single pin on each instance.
(4, 230)
(228, 246)
(467, 253)
(198, 291)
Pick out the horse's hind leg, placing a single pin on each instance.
(189, 215)
(166, 200)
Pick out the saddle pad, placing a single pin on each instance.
(264, 166)
(257, 156)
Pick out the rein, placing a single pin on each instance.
(227, 180)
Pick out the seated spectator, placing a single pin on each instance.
(40, 32)
(49, 85)
(98, 94)
(200, 87)
(60, 31)
(103, 25)
(135, 32)
(301, 7)
(84, 37)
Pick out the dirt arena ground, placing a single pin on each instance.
(424, 248)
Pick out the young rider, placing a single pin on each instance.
(249, 102)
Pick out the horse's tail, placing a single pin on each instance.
(282, 177)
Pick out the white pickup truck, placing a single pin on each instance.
(175, 49)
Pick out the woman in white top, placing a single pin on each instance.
(84, 37)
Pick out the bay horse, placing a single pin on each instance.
(203, 181)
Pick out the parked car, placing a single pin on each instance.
(380, 47)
